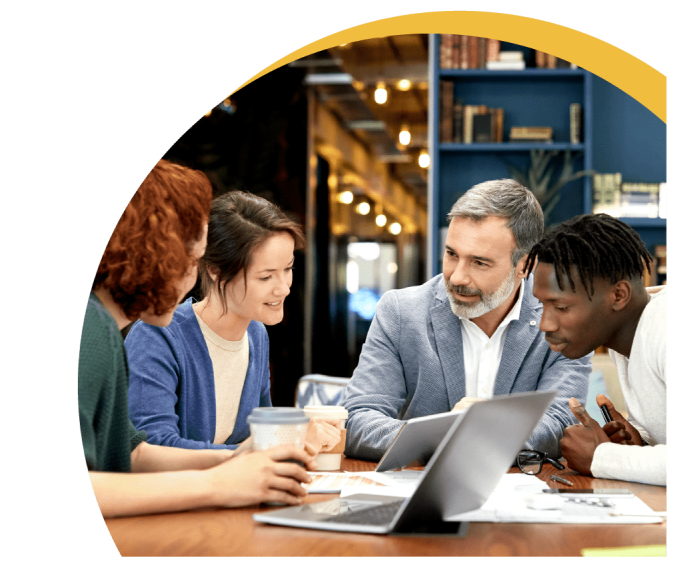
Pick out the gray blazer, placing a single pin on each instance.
(412, 365)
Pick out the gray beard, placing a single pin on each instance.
(486, 303)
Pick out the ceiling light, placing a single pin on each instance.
(363, 208)
(395, 228)
(381, 93)
(346, 197)
(380, 220)
(424, 159)
(404, 135)
(404, 85)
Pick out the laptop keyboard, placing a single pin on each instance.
(377, 515)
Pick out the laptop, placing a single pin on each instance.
(462, 473)
(417, 440)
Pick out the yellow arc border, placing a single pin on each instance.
(642, 82)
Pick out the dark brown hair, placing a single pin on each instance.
(238, 223)
(149, 250)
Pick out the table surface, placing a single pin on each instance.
(233, 532)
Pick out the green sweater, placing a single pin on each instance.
(107, 434)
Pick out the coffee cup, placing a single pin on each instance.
(272, 426)
(330, 459)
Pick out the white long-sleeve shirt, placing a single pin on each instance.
(643, 383)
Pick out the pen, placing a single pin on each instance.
(560, 479)
(606, 414)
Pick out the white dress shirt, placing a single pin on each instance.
(482, 354)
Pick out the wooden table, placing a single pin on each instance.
(233, 532)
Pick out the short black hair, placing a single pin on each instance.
(598, 245)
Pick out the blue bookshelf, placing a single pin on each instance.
(541, 97)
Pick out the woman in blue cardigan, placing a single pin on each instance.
(194, 383)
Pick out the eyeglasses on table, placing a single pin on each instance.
(530, 461)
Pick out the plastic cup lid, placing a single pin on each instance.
(277, 415)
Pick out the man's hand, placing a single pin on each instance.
(465, 402)
(580, 440)
(619, 430)
(322, 434)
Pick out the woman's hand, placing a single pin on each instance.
(251, 477)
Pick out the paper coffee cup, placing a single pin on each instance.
(331, 459)
(272, 426)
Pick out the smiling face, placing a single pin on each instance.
(574, 324)
(260, 296)
(477, 268)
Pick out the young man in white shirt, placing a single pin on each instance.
(588, 274)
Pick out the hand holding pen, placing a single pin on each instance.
(616, 427)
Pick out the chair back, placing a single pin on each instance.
(319, 390)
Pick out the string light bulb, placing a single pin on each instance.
(363, 208)
(395, 228)
(381, 220)
(424, 159)
(346, 197)
(381, 93)
(404, 85)
(404, 135)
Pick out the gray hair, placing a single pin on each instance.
(509, 199)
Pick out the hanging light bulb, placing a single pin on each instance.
(363, 208)
(404, 85)
(381, 93)
(424, 159)
(381, 220)
(346, 197)
(404, 135)
(395, 228)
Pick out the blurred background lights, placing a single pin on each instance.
(404, 135)
(352, 277)
(363, 303)
(346, 197)
(424, 159)
(366, 251)
(363, 208)
(392, 268)
(404, 85)
(381, 94)
(380, 220)
(395, 228)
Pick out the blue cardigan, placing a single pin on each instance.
(172, 385)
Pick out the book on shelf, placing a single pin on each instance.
(606, 194)
(506, 65)
(575, 123)
(623, 199)
(549, 61)
(467, 52)
(530, 133)
(639, 200)
(456, 119)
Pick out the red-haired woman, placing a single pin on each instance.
(148, 266)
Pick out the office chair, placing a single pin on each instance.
(315, 389)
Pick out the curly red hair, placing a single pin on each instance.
(149, 250)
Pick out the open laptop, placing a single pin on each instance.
(417, 440)
(460, 476)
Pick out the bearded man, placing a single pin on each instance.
(465, 335)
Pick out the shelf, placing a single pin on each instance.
(507, 146)
(528, 73)
(645, 222)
